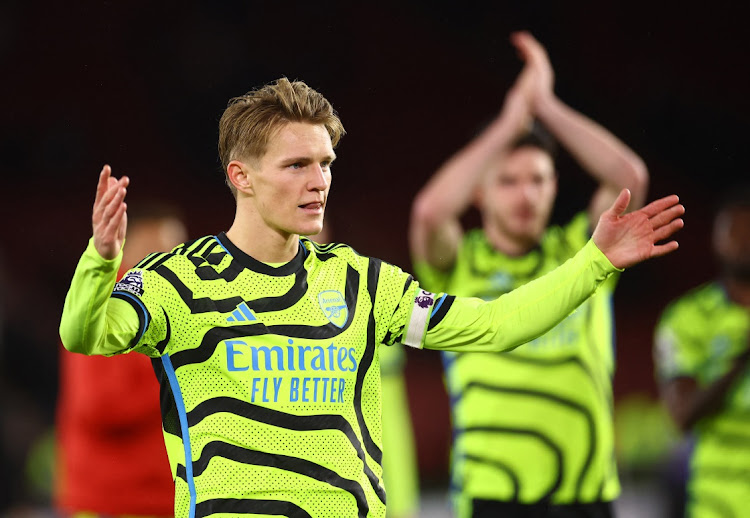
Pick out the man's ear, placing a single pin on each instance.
(239, 174)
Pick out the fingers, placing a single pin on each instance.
(519, 41)
(659, 250)
(528, 47)
(660, 205)
(110, 194)
(115, 223)
(667, 215)
(108, 187)
(103, 185)
(620, 205)
(667, 230)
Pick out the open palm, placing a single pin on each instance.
(109, 218)
(628, 239)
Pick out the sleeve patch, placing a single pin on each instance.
(131, 282)
(418, 319)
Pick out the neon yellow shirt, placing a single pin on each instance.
(270, 376)
(533, 425)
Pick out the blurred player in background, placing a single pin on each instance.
(533, 432)
(110, 449)
(702, 351)
(400, 473)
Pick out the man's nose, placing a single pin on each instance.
(530, 191)
(319, 178)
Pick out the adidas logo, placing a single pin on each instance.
(242, 314)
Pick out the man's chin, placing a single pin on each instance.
(310, 230)
(527, 233)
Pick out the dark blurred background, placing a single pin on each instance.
(142, 86)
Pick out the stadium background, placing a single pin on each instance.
(141, 86)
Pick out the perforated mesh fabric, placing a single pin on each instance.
(278, 371)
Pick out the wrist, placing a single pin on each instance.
(545, 103)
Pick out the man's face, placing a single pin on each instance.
(519, 199)
(732, 241)
(290, 182)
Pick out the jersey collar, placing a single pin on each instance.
(257, 266)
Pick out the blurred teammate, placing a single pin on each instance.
(400, 474)
(702, 350)
(267, 344)
(111, 459)
(533, 428)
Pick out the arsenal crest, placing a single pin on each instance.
(334, 307)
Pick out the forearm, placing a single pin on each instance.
(451, 190)
(598, 151)
(525, 313)
(710, 400)
(91, 322)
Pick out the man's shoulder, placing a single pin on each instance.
(204, 250)
(336, 254)
(697, 304)
(568, 236)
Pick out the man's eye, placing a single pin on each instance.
(296, 165)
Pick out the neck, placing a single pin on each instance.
(261, 242)
(737, 290)
(506, 244)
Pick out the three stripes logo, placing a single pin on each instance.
(242, 314)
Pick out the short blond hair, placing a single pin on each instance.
(251, 119)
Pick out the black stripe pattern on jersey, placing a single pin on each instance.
(141, 311)
(215, 336)
(255, 506)
(551, 445)
(283, 462)
(253, 264)
(537, 394)
(438, 316)
(373, 274)
(169, 417)
(207, 304)
(562, 361)
(209, 273)
(162, 344)
(287, 421)
(154, 261)
(500, 466)
(147, 260)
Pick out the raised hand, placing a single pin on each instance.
(535, 56)
(628, 239)
(109, 218)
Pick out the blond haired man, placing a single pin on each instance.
(268, 344)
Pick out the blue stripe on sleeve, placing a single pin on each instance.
(437, 306)
(144, 312)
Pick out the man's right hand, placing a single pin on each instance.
(109, 218)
